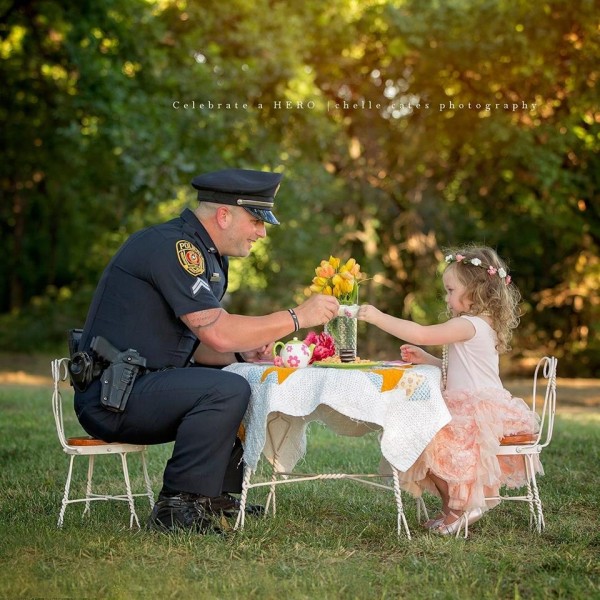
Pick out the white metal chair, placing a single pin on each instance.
(91, 447)
(528, 446)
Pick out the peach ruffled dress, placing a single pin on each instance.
(464, 452)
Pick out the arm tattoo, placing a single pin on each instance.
(203, 319)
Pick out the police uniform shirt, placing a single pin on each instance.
(158, 275)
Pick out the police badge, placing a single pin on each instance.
(190, 257)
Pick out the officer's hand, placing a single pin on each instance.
(317, 310)
(259, 354)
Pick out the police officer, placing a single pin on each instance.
(160, 295)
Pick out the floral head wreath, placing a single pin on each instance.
(477, 262)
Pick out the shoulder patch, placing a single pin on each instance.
(190, 257)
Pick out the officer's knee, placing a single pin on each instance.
(239, 389)
(245, 391)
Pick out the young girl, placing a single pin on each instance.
(461, 463)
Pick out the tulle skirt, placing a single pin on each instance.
(464, 452)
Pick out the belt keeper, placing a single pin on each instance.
(295, 318)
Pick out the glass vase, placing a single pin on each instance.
(343, 330)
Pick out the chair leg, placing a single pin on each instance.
(239, 522)
(533, 518)
(88, 486)
(271, 496)
(65, 499)
(536, 502)
(421, 507)
(149, 491)
(133, 518)
(401, 517)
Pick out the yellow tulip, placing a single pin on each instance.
(320, 281)
(346, 286)
(334, 262)
(349, 265)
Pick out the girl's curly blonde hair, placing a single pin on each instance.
(489, 287)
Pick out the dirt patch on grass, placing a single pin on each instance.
(25, 369)
(22, 378)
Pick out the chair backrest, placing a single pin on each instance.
(59, 373)
(544, 397)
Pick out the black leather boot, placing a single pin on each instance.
(181, 511)
(229, 506)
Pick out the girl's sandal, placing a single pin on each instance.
(462, 521)
(451, 528)
(435, 522)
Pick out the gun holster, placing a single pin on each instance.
(116, 370)
(118, 376)
(117, 383)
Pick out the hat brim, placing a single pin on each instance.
(264, 215)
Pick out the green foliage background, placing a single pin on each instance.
(93, 149)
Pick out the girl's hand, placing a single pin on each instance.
(367, 312)
(413, 354)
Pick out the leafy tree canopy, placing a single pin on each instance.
(402, 127)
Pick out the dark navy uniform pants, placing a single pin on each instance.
(200, 409)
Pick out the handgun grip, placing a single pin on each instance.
(104, 349)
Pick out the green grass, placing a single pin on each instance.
(328, 540)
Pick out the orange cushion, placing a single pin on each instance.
(241, 434)
(518, 438)
(85, 440)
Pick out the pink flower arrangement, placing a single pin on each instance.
(324, 345)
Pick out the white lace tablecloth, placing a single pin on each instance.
(348, 401)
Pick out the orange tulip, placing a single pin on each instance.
(325, 270)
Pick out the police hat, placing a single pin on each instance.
(253, 190)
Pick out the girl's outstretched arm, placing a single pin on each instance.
(450, 332)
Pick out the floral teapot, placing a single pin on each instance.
(294, 353)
